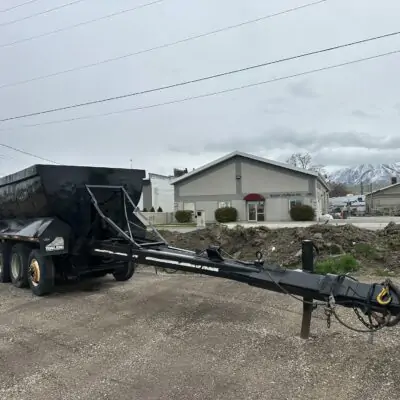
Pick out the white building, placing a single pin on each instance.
(260, 189)
(157, 192)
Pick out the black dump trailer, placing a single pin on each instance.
(76, 221)
(48, 222)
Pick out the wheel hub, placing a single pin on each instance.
(34, 272)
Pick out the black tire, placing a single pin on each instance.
(125, 272)
(5, 252)
(41, 274)
(19, 265)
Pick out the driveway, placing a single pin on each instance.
(185, 338)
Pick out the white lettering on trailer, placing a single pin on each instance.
(170, 253)
(116, 253)
(56, 245)
(183, 264)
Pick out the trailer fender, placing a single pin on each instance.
(55, 238)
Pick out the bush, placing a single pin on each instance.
(337, 265)
(144, 209)
(159, 209)
(184, 216)
(302, 213)
(226, 214)
(152, 209)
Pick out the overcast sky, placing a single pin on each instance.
(344, 116)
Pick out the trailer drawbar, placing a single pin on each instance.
(83, 221)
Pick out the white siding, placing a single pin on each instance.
(240, 206)
(263, 180)
(162, 193)
(209, 207)
(219, 181)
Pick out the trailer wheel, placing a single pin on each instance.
(5, 252)
(125, 272)
(41, 273)
(19, 265)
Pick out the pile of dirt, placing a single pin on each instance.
(374, 249)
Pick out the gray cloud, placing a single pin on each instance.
(326, 113)
(303, 89)
(286, 138)
(363, 114)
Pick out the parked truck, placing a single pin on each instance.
(58, 220)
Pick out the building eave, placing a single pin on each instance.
(253, 158)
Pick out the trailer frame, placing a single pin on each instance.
(41, 243)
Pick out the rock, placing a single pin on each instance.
(391, 228)
(330, 239)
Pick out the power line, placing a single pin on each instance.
(190, 98)
(18, 6)
(163, 46)
(210, 94)
(80, 24)
(27, 153)
(202, 79)
(41, 13)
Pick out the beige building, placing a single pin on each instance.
(385, 200)
(260, 189)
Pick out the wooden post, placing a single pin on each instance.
(307, 258)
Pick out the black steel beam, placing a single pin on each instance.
(346, 291)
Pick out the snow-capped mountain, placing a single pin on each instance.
(368, 173)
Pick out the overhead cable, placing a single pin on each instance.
(162, 46)
(201, 79)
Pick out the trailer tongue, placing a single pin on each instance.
(63, 220)
(378, 301)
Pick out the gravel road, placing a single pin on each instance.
(183, 337)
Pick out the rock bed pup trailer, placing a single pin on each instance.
(76, 221)
(48, 223)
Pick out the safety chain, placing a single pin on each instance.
(371, 326)
(329, 310)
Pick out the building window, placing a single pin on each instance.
(223, 204)
(294, 202)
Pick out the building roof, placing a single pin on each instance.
(254, 158)
(383, 189)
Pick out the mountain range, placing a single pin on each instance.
(368, 173)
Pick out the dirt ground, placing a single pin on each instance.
(375, 250)
(183, 337)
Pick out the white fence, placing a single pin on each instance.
(160, 218)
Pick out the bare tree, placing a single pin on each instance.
(304, 160)
(338, 190)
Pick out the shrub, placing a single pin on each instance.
(152, 209)
(159, 209)
(145, 209)
(337, 265)
(302, 213)
(183, 216)
(226, 214)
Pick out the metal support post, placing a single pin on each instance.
(307, 258)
